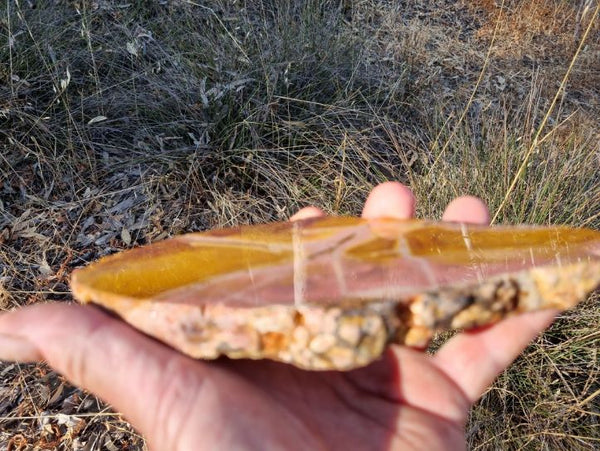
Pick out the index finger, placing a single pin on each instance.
(390, 200)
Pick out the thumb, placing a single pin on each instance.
(140, 377)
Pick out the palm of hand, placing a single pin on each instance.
(403, 401)
(406, 400)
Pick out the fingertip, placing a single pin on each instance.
(307, 212)
(468, 209)
(390, 200)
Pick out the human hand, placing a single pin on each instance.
(405, 400)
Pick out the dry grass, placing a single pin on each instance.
(123, 124)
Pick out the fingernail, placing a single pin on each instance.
(17, 349)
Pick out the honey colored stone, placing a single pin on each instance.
(332, 293)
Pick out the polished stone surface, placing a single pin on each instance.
(331, 293)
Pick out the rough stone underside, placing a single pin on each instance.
(332, 293)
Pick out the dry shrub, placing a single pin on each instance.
(527, 25)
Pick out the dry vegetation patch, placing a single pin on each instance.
(121, 124)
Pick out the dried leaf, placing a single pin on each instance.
(126, 236)
(45, 268)
(97, 119)
(64, 82)
(124, 205)
(109, 444)
(68, 420)
(132, 47)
